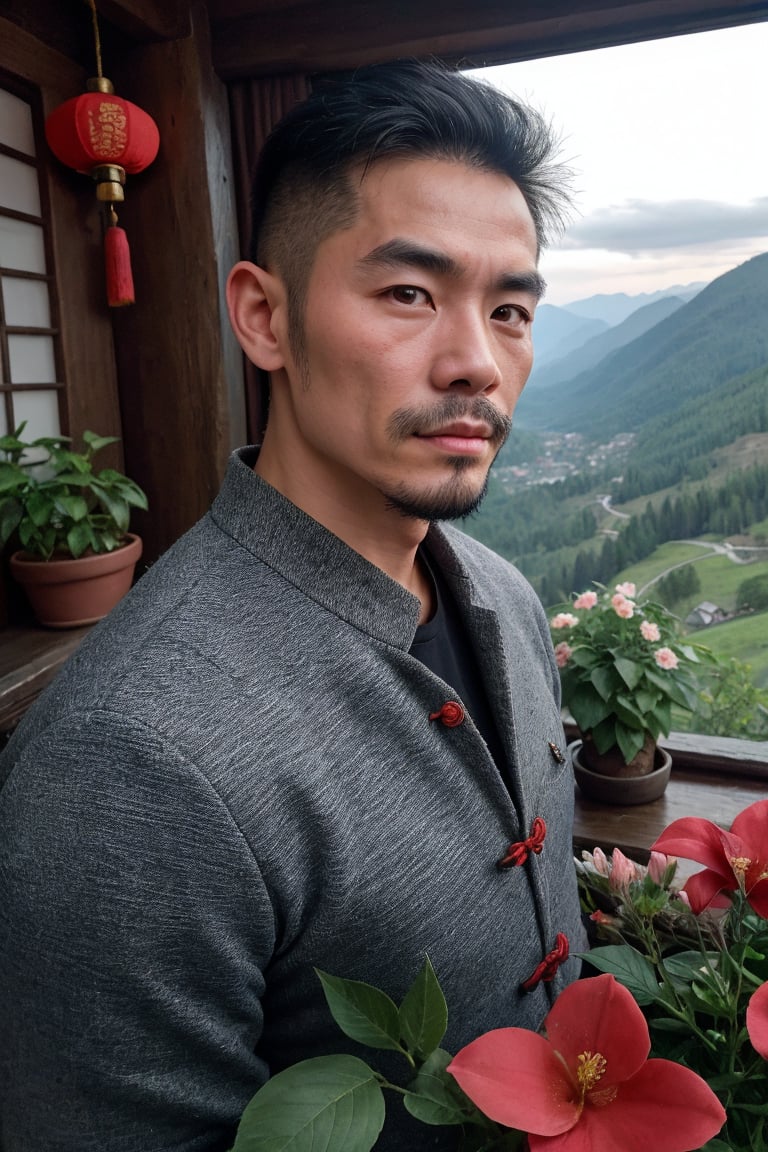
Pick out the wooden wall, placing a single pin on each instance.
(165, 373)
(179, 369)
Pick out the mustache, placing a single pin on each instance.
(429, 419)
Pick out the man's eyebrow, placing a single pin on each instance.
(532, 282)
(404, 253)
(396, 253)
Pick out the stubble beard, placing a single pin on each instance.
(460, 495)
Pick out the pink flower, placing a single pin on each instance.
(757, 1020)
(623, 871)
(586, 600)
(733, 860)
(599, 861)
(665, 658)
(589, 1086)
(623, 607)
(563, 653)
(627, 588)
(650, 631)
(658, 865)
(564, 620)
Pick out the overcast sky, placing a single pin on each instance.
(668, 141)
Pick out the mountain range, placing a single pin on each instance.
(665, 357)
(585, 355)
(557, 330)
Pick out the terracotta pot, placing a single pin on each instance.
(70, 593)
(621, 791)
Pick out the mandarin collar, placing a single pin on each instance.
(310, 557)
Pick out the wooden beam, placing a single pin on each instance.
(25, 56)
(260, 38)
(147, 20)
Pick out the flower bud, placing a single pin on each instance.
(623, 871)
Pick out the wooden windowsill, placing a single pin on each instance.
(29, 660)
(690, 792)
(712, 777)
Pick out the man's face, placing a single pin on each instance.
(416, 342)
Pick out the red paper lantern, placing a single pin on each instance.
(100, 128)
(104, 136)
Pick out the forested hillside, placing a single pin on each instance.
(689, 390)
(719, 335)
(594, 350)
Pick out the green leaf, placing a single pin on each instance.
(68, 479)
(330, 1102)
(606, 682)
(72, 506)
(363, 1012)
(587, 708)
(10, 476)
(629, 967)
(39, 508)
(685, 967)
(134, 495)
(666, 1024)
(10, 518)
(108, 541)
(716, 1146)
(96, 443)
(629, 740)
(117, 508)
(79, 538)
(630, 672)
(434, 1097)
(423, 1014)
(645, 699)
(77, 462)
(709, 999)
(604, 734)
(727, 1080)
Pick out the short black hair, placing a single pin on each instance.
(409, 108)
(417, 108)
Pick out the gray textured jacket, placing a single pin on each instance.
(235, 779)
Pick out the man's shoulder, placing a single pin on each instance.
(178, 642)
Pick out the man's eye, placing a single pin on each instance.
(511, 313)
(407, 294)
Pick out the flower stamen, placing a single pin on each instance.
(591, 1069)
(740, 865)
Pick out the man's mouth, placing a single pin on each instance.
(460, 438)
(466, 424)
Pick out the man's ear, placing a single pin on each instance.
(257, 312)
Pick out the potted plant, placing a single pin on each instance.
(77, 556)
(623, 665)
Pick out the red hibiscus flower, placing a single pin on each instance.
(757, 1020)
(589, 1085)
(734, 860)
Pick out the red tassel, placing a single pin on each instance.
(117, 256)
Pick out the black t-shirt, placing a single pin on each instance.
(443, 646)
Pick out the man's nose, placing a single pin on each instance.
(465, 356)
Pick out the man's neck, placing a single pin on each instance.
(379, 533)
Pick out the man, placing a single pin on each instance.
(323, 730)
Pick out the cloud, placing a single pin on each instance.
(648, 226)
